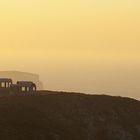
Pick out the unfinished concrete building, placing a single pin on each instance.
(5, 84)
(23, 87)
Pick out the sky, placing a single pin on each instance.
(89, 46)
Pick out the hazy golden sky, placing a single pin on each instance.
(73, 43)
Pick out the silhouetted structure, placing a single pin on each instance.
(23, 87)
(22, 76)
(5, 84)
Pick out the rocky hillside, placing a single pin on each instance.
(68, 116)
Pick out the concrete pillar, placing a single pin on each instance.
(7, 84)
(26, 89)
(31, 89)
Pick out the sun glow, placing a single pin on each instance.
(41, 36)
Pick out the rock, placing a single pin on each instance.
(138, 128)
